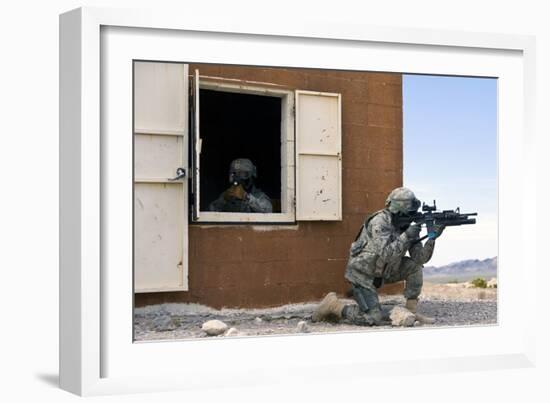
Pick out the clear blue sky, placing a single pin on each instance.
(450, 154)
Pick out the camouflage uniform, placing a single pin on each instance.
(243, 196)
(379, 252)
(377, 257)
(255, 201)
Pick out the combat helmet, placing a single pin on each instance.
(242, 166)
(242, 171)
(402, 201)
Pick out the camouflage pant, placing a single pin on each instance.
(367, 297)
(411, 272)
(361, 314)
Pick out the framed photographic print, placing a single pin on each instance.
(256, 195)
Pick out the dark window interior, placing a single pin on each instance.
(235, 125)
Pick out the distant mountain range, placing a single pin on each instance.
(463, 270)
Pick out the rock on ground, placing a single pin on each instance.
(232, 332)
(214, 327)
(401, 316)
(302, 327)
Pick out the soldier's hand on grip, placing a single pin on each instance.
(438, 230)
(413, 231)
(235, 192)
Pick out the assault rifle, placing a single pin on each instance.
(432, 218)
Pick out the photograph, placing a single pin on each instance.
(273, 201)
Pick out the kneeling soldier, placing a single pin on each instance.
(377, 257)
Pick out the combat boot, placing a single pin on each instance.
(329, 308)
(411, 305)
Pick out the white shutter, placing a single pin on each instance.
(161, 142)
(318, 156)
(158, 98)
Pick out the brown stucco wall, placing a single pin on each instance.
(247, 266)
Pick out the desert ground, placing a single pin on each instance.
(450, 304)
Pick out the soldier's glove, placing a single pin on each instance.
(413, 231)
(235, 192)
(436, 233)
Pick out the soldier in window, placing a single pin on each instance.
(242, 196)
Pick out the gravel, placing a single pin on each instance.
(450, 305)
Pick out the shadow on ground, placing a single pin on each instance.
(49, 379)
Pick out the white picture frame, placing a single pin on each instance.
(97, 355)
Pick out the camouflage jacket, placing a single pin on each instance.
(379, 248)
(255, 201)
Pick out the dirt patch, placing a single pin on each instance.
(457, 292)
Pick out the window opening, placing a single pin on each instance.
(239, 125)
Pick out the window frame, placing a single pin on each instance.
(288, 174)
